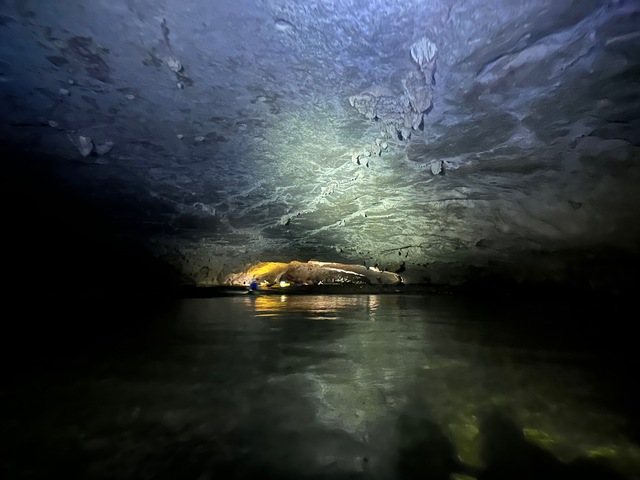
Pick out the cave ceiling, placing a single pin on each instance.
(391, 133)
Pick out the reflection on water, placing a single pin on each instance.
(327, 307)
(363, 386)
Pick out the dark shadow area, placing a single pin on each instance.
(75, 282)
(56, 243)
(196, 401)
(44, 336)
(604, 271)
(425, 452)
(557, 319)
(508, 455)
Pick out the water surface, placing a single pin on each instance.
(352, 386)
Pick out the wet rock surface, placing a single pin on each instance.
(392, 133)
(313, 273)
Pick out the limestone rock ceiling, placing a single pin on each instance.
(403, 134)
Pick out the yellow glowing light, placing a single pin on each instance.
(269, 305)
(284, 284)
(267, 269)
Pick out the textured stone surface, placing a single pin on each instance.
(237, 137)
(312, 273)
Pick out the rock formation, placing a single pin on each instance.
(402, 113)
(489, 139)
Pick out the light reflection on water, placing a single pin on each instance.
(310, 307)
(380, 386)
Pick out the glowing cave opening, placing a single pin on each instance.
(295, 273)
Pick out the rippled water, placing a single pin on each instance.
(354, 386)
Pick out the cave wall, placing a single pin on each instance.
(418, 137)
